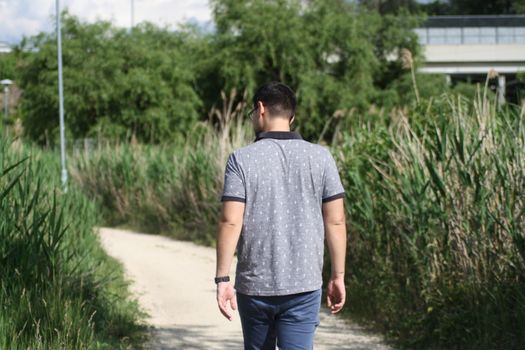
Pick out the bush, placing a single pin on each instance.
(436, 225)
(58, 289)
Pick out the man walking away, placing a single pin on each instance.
(282, 197)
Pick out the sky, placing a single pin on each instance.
(20, 18)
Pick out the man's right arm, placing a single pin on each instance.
(335, 234)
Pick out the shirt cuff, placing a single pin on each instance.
(232, 198)
(335, 196)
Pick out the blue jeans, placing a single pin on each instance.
(288, 320)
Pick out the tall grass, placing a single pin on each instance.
(58, 289)
(436, 218)
(172, 188)
(434, 205)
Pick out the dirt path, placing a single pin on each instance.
(173, 281)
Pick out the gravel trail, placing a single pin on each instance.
(173, 281)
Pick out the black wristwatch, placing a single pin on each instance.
(222, 279)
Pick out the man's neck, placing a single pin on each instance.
(276, 129)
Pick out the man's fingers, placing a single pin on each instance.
(332, 300)
(223, 296)
(233, 302)
(340, 304)
(335, 303)
(225, 312)
(337, 307)
(335, 298)
(222, 306)
(333, 311)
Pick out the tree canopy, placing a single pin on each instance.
(114, 81)
(155, 83)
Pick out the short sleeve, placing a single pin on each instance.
(332, 187)
(234, 188)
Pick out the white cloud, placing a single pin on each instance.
(29, 17)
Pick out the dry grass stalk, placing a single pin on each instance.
(408, 62)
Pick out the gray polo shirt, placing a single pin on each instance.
(283, 181)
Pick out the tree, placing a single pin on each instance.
(115, 82)
(391, 6)
(155, 83)
(7, 66)
(333, 52)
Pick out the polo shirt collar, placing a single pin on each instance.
(282, 135)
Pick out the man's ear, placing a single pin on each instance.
(292, 119)
(261, 108)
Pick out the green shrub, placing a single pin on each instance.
(436, 225)
(58, 289)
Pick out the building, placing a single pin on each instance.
(4, 47)
(468, 47)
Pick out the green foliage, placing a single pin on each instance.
(435, 222)
(116, 83)
(391, 6)
(172, 189)
(155, 83)
(521, 77)
(58, 289)
(435, 219)
(436, 242)
(467, 90)
(428, 85)
(7, 66)
(334, 53)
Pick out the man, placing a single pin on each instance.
(282, 197)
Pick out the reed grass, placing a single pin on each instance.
(58, 289)
(173, 188)
(434, 206)
(437, 226)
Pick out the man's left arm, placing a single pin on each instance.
(228, 233)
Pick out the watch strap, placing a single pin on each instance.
(222, 279)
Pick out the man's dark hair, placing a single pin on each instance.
(277, 97)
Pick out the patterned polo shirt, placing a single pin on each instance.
(283, 181)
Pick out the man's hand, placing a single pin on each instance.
(335, 294)
(225, 293)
